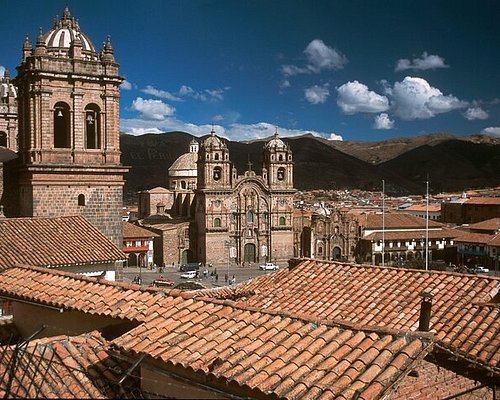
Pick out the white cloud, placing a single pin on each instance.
(322, 57)
(126, 85)
(317, 94)
(160, 93)
(319, 57)
(492, 131)
(427, 61)
(354, 97)
(204, 95)
(235, 131)
(218, 117)
(475, 113)
(152, 109)
(334, 136)
(382, 121)
(413, 98)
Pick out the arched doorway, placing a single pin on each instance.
(336, 253)
(187, 256)
(132, 260)
(249, 253)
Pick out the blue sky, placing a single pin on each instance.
(351, 70)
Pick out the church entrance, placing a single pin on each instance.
(187, 256)
(249, 255)
(336, 253)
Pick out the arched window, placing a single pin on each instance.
(92, 127)
(81, 200)
(186, 233)
(280, 157)
(3, 139)
(216, 156)
(250, 217)
(282, 221)
(217, 173)
(217, 223)
(62, 137)
(183, 184)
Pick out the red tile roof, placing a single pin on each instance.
(278, 354)
(464, 317)
(423, 208)
(405, 235)
(479, 238)
(394, 221)
(492, 224)
(484, 200)
(273, 353)
(54, 242)
(132, 231)
(61, 367)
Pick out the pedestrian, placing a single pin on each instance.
(225, 278)
(216, 277)
(234, 279)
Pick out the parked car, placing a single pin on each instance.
(189, 275)
(162, 282)
(480, 269)
(269, 266)
(189, 267)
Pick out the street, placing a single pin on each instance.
(239, 272)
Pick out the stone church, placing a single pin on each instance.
(210, 214)
(68, 143)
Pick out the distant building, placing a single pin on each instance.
(401, 237)
(422, 210)
(470, 211)
(8, 113)
(138, 245)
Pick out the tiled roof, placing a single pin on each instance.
(405, 235)
(274, 354)
(54, 242)
(76, 292)
(423, 208)
(492, 224)
(394, 221)
(132, 231)
(479, 238)
(484, 200)
(464, 317)
(277, 354)
(62, 367)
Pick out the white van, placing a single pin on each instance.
(189, 275)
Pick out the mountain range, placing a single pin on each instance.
(450, 163)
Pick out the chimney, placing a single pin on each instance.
(425, 312)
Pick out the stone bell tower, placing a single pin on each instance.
(69, 143)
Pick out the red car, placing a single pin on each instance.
(162, 282)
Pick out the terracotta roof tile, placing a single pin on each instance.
(63, 241)
(386, 297)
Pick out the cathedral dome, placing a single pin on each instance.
(213, 141)
(275, 143)
(185, 162)
(64, 33)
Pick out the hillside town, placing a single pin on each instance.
(217, 282)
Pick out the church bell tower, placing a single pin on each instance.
(69, 141)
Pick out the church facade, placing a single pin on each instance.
(222, 216)
(68, 131)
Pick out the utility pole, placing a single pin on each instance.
(427, 226)
(383, 222)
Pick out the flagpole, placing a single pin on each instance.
(383, 222)
(427, 227)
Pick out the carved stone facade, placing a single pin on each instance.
(69, 144)
(251, 214)
(247, 218)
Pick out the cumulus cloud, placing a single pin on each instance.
(413, 98)
(160, 93)
(235, 131)
(426, 61)
(382, 121)
(492, 131)
(317, 94)
(126, 85)
(319, 57)
(152, 109)
(475, 113)
(354, 97)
